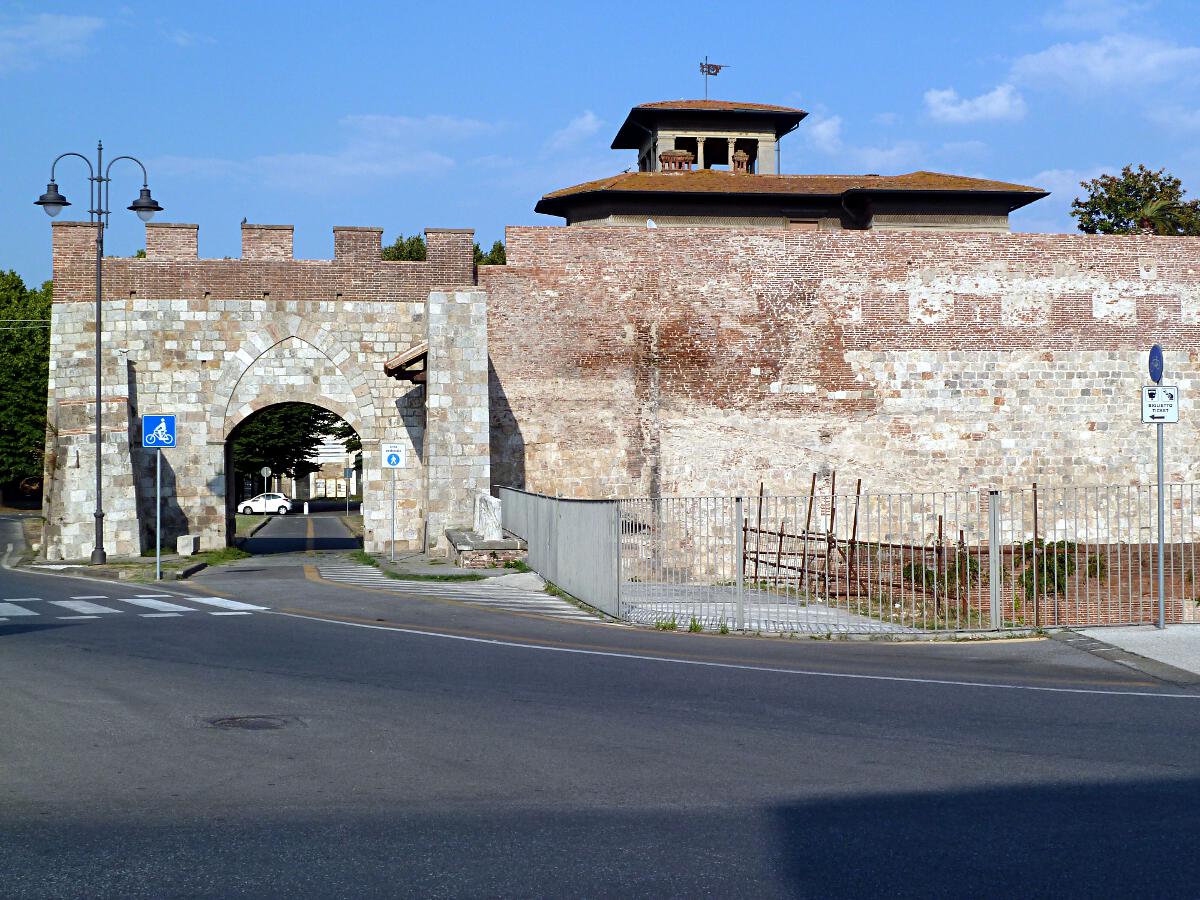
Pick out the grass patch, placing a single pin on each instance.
(224, 555)
(694, 626)
(517, 565)
(243, 524)
(669, 625)
(362, 556)
(406, 576)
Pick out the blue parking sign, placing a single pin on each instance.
(158, 431)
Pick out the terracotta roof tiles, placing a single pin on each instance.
(724, 182)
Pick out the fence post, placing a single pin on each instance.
(995, 569)
(616, 533)
(739, 563)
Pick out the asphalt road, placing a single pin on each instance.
(293, 533)
(423, 747)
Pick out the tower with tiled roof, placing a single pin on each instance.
(712, 131)
(716, 162)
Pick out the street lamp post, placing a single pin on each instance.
(145, 206)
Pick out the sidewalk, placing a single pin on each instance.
(1175, 645)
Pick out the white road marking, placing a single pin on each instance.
(160, 615)
(227, 604)
(483, 592)
(160, 605)
(91, 597)
(806, 673)
(11, 609)
(235, 613)
(21, 599)
(82, 606)
(78, 617)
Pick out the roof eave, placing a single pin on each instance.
(620, 142)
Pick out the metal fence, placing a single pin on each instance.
(913, 562)
(570, 543)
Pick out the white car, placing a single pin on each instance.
(266, 503)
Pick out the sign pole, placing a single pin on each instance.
(1156, 375)
(393, 543)
(158, 514)
(1161, 577)
(158, 431)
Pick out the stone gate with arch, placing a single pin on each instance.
(216, 340)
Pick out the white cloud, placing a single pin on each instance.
(825, 134)
(964, 148)
(1053, 214)
(1064, 182)
(1117, 61)
(183, 38)
(1175, 118)
(886, 160)
(1091, 15)
(28, 42)
(574, 132)
(1003, 103)
(372, 146)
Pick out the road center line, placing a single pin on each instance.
(742, 666)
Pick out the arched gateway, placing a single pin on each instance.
(214, 341)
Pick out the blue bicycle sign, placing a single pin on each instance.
(158, 431)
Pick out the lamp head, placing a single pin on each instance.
(145, 205)
(52, 201)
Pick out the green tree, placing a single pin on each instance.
(284, 437)
(1137, 201)
(405, 249)
(24, 366)
(494, 257)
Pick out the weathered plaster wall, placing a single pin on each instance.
(213, 341)
(692, 361)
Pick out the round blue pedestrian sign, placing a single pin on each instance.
(1156, 364)
(393, 459)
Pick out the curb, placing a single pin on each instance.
(1152, 667)
(189, 571)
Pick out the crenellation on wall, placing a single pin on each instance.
(213, 341)
(356, 244)
(172, 240)
(267, 242)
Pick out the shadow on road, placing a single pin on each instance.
(13, 628)
(1123, 838)
(298, 533)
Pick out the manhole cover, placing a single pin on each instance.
(251, 723)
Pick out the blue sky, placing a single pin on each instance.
(461, 115)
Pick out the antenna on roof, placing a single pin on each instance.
(707, 69)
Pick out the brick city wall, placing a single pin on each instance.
(629, 360)
(214, 341)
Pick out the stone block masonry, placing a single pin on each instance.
(704, 360)
(214, 341)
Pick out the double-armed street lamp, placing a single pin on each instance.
(145, 206)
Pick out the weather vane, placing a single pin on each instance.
(707, 69)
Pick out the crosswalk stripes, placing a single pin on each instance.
(481, 593)
(144, 606)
